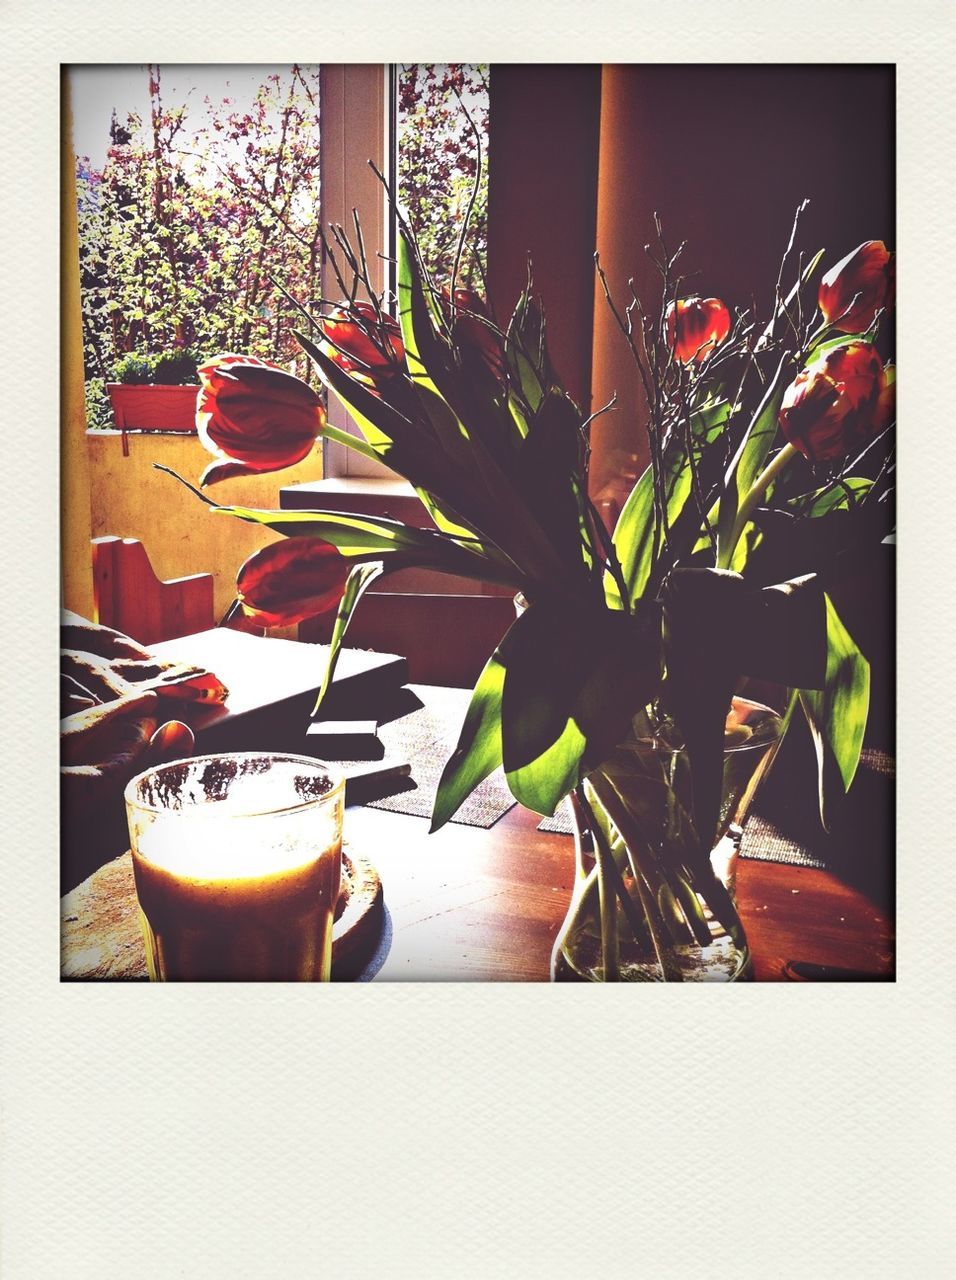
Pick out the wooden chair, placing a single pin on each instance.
(446, 638)
(128, 596)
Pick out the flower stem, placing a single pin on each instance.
(616, 811)
(580, 901)
(628, 905)
(771, 471)
(583, 825)
(607, 905)
(355, 443)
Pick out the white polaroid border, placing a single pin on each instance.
(474, 1131)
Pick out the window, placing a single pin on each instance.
(198, 207)
(202, 189)
(425, 126)
(441, 146)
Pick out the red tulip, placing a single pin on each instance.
(254, 416)
(291, 580)
(854, 290)
(359, 343)
(471, 328)
(837, 403)
(695, 327)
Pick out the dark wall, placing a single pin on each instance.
(725, 154)
(542, 199)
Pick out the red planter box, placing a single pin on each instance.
(153, 408)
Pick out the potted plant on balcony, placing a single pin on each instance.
(155, 393)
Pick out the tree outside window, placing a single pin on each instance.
(200, 219)
(442, 148)
(199, 212)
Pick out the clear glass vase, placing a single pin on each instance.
(647, 905)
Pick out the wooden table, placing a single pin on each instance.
(480, 904)
(471, 904)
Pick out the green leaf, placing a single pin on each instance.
(355, 535)
(413, 315)
(748, 462)
(446, 485)
(634, 532)
(526, 351)
(381, 425)
(474, 482)
(478, 752)
(445, 519)
(462, 402)
(349, 441)
(821, 349)
(548, 463)
(716, 629)
(574, 677)
(351, 534)
(837, 715)
(833, 497)
(361, 577)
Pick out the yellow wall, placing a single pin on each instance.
(76, 577)
(102, 492)
(129, 499)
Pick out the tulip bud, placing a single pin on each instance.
(836, 404)
(861, 284)
(356, 339)
(695, 327)
(288, 581)
(471, 327)
(254, 416)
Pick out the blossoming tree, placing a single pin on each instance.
(194, 221)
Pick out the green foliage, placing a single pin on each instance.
(193, 213)
(99, 410)
(573, 680)
(438, 158)
(716, 629)
(746, 466)
(842, 495)
(639, 544)
(177, 368)
(837, 714)
(134, 370)
(359, 580)
(479, 748)
(362, 536)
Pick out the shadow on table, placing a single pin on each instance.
(860, 847)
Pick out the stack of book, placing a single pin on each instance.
(272, 686)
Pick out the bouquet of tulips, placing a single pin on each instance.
(755, 429)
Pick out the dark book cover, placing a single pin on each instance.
(272, 687)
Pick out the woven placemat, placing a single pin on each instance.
(561, 823)
(878, 761)
(764, 842)
(426, 738)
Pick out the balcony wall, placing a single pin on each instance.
(129, 499)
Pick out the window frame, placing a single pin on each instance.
(357, 115)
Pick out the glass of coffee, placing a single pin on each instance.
(237, 860)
